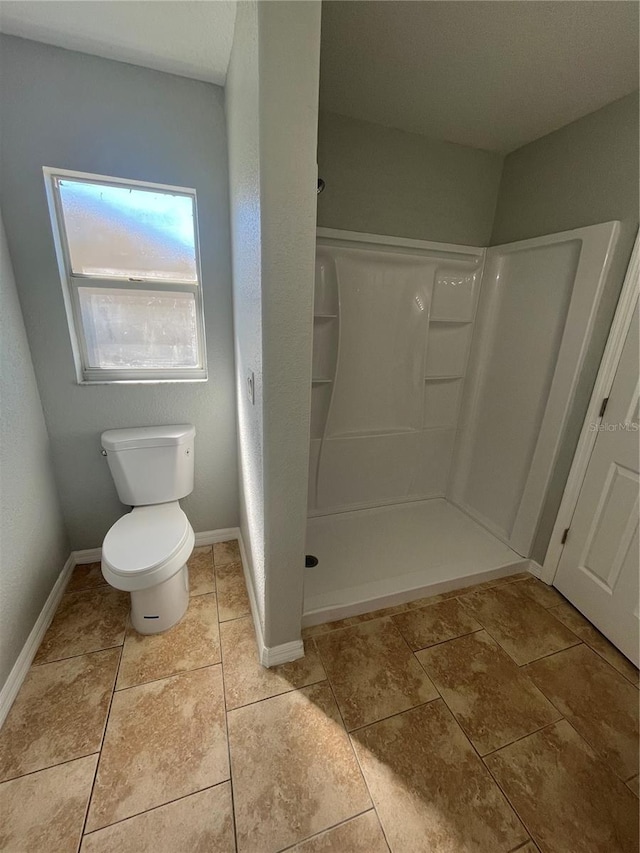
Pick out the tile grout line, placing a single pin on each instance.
(48, 767)
(81, 654)
(357, 760)
(104, 734)
(226, 721)
(121, 690)
(321, 831)
(154, 808)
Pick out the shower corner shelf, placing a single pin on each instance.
(443, 377)
(318, 381)
(453, 321)
(323, 316)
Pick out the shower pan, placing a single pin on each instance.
(442, 380)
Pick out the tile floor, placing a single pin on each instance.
(491, 719)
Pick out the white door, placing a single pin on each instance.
(599, 567)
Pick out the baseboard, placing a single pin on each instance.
(537, 570)
(21, 667)
(268, 655)
(89, 555)
(210, 537)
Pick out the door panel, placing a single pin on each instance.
(599, 568)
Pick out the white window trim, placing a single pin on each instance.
(86, 375)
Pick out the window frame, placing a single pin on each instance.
(71, 282)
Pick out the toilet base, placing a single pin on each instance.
(160, 607)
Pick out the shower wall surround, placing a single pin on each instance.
(400, 409)
(392, 330)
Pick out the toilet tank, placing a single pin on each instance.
(151, 465)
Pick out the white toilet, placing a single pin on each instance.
(146, 551)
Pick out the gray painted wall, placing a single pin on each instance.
(582, 174)
(272, 108)
(33, 539)
(70, 110)
(382, 180)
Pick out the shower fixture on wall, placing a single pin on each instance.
(320, 185)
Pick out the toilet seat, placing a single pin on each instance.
(147, 546)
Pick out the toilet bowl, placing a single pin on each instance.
(145, 553)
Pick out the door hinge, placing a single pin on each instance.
(603, 407)
(564, 536)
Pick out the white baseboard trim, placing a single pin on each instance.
(268, 655)
(206, 537)
(210, 537)
(537, 570)
(89, 555)
(21, 667)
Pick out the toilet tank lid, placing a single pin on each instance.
(156, 436)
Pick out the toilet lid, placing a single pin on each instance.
(145, 538)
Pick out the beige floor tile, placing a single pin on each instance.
(164, 740)
(45, 811)
(435, 624)
(59, 713)
(580, 626)
(86, 576)
(373, 672)
(361, 834)
(634, 785)
(193, 643)
(233, 600)
(246, 680)
(598, 702)
(541, 593)
(525, 630)
(294, 771)
(565, 795)
(491, 697)
(201, 575)
(529, 847)
(200, 823)
(85, 622)
(226, 552)
(431, 791)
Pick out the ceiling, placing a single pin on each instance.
(492, 75)
(192, 39)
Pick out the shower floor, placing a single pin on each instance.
(388, 555)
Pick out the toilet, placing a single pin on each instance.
(145, 553)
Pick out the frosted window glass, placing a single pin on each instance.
(139, 329)
(129, 233)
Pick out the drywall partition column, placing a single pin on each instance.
(33, 539)
(272, 107)
(242, 110)
(289, 50)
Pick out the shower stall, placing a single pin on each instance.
(443, 380)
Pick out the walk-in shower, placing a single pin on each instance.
(443, 379)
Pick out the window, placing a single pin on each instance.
(128, 259)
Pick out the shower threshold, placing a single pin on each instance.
(374, 558)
